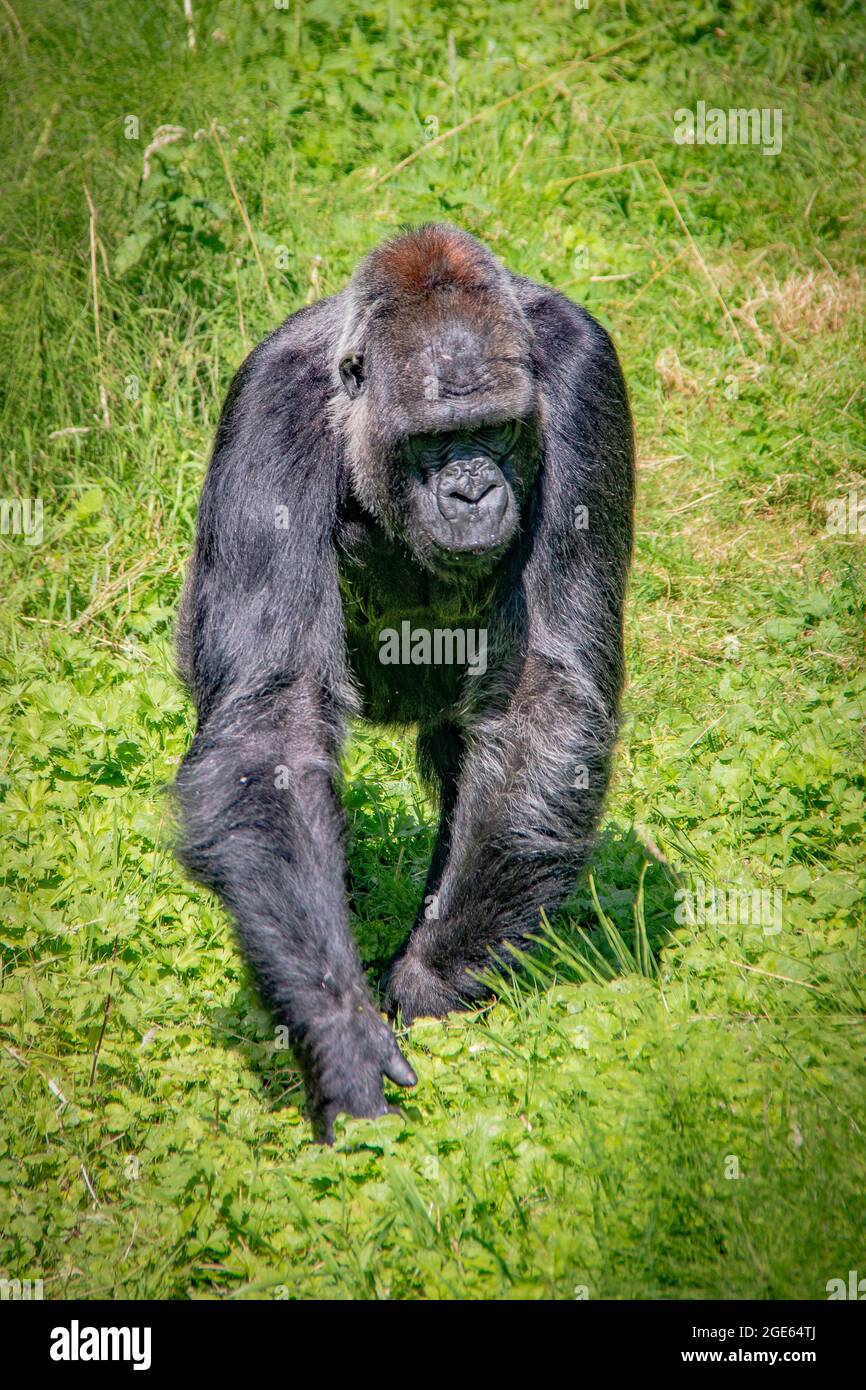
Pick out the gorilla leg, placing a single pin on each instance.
(439, 750)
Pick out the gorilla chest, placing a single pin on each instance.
(412, 640)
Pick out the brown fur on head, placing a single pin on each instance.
(435, 257)
(443, 341)
(434, 343)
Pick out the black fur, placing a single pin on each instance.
(308, 547)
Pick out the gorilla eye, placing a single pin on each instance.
(499, 438)
(352, 374)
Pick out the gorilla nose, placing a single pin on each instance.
(472, 490)
(464, 485)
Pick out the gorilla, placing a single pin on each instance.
(437, 460)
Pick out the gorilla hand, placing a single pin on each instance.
(343, 1058)
(416, 990)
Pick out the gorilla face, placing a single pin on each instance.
(461, 498)
(439, 404)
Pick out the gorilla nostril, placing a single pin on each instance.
(471, 500)
(471, 494)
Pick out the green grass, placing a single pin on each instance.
(581, 1132)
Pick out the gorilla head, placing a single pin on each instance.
(438, 402)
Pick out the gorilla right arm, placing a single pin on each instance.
(264, 653)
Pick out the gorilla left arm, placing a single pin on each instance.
(540, 727)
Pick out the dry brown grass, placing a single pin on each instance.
(674, 377)
(803, 305)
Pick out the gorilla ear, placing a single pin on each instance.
(352, 374)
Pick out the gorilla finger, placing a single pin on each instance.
(396, 1068)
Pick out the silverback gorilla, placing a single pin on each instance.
(444, 447)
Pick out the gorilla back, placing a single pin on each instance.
(418, 509)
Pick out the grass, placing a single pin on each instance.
(655, 1107)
